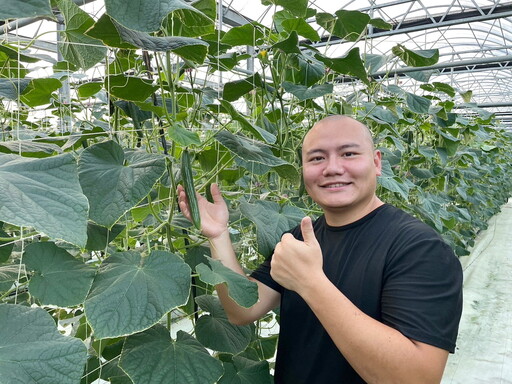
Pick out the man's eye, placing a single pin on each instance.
(348, 154)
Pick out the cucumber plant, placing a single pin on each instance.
(93, 249)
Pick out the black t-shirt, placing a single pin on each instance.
(394, 268)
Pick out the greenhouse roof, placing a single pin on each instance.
(474, 39)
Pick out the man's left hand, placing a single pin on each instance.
(295, 263)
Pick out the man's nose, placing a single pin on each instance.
(334, 165)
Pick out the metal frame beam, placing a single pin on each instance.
(486, 61)
(19, 23)
(437, 21)
(446, 20)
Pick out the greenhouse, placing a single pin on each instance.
(116, 112)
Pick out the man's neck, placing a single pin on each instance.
(348, 215)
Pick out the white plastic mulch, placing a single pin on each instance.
(484, 344)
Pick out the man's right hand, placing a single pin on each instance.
(214, 225)
(214, 216)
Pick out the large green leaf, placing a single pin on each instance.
(185, 22)
(416, 58)
(182, 135)
(278, 17)
(17, 9)
(265, 347)
(303, 92)
(131, 293)
(236, 89)
(271, 222)
(106, 30)
(373, 62)
(296, 7)
(99, 237)
(423, 76)
(30, 148)
(350, 64)
(381, 24)
(143, 15)
(215, 331)
(348, 25)
(114, 180)
(186, 47)
(254, 154)
(304, 69)
(439, 87)
(33, 351)
(39, 91)
(129, 87)
(137, 115)
(207, 7)
(240, 289)
(417, 104)
(112, 373)
(77, 48)
(12, 69)
(379, 114)
(44, 194)
(289, 45)
(326, 21)
(9, 274)
(422, 173)
(59, 278)
(245, 371)
(388, 181)
(248, 150)
(258, 132)
(6, 248)
(89, 89)
(14, 53)
(466, 96)
(226, 62)
(247, 34)
(152, 357)
(302, 28)
(12, 88)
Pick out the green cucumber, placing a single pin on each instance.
(188, 184)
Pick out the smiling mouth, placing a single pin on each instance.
(336, 185)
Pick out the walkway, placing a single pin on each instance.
(484, 345)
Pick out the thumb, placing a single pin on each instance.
(306, 227)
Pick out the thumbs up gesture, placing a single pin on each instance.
(297, 264)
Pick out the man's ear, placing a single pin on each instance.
(377, 160)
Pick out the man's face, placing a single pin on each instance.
(340, 166)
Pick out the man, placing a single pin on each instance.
(367, 293)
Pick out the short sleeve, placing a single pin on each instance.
(422, 292)
(262, 274)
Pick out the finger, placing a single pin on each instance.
(287, 238)
(216, 195)
(183, 204)
(182, 201)
(308, 233)
(182, 196)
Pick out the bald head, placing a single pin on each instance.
(340, 122)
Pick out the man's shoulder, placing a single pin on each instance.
(399, 217)
(405, 230)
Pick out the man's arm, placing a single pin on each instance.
(379, 353)
(214, 225)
